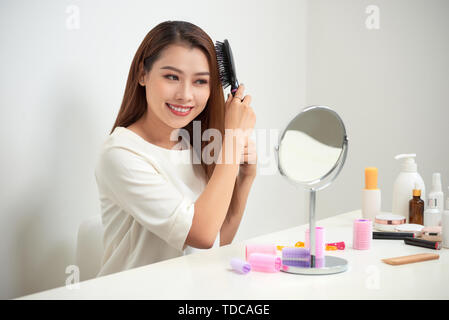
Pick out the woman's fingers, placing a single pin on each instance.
(239, 94)
(247, 100)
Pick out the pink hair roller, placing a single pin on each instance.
(362, 234)
(259, 248)
(265, 262)
(320, 243)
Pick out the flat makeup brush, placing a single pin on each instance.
(226, 65)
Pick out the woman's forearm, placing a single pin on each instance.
(212, 205)
(236, 209)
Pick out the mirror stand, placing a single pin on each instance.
(326, 265)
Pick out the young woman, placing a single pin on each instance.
(155, 208)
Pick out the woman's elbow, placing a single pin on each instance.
(200, 241)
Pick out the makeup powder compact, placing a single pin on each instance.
(410, 227)
(388, 221)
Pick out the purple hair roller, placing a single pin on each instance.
(295, 253)
(240, 266)
(296, 257)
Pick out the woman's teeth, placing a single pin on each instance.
(179, 109)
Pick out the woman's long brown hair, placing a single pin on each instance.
(134, 102)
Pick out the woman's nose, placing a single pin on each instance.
(185, 92)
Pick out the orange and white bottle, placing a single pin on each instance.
(371, 198)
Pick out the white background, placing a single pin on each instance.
(61, 89)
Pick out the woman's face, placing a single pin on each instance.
(177, 86)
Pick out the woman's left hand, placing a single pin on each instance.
(248, 163)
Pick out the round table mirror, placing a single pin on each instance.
(311, 152)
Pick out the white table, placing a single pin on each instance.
(208, 275)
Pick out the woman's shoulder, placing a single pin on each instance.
(121, 151)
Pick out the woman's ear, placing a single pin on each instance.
(142, 80)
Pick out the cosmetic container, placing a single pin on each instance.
(371, 196)
(393, 235)
(445, 224)
(432, 215)
(436, 191)
(436, 245)
(416, 208)
(388, 221)
(404, 184)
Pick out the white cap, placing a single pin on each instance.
(408, 162)
(436, 182)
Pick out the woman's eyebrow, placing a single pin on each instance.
(181, 72)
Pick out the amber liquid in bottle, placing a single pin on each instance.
(416, 208)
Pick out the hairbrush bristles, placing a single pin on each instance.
(226, 66)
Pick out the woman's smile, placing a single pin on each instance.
(179, 110)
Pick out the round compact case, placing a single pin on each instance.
(388, 222)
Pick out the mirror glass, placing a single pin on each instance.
(311, 145)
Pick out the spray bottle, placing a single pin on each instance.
(436, 192)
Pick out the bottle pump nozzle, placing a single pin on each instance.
(408, 164)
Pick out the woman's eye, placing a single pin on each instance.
(170, 76)
(175, 77)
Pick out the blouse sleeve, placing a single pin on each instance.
(143, 192)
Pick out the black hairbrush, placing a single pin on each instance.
(226, 66)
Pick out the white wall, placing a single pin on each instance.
(61, 88)
(390, 86)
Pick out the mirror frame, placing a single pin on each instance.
(319, 183)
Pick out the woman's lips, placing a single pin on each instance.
(178, 109)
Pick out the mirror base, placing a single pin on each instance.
(327, 265)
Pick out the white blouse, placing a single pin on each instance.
(147, 196)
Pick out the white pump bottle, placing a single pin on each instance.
(405, 183)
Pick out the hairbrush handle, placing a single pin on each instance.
(234, 88)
